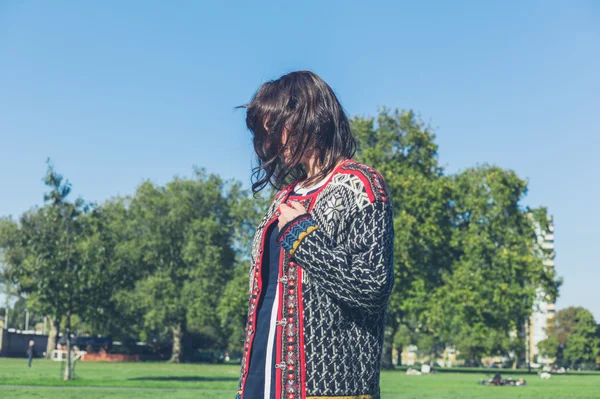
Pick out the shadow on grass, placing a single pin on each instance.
(189, 378)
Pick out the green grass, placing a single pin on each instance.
(161, 380)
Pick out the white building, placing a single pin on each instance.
(544, 309)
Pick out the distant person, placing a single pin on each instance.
(322, 259)
(30, 352)
(497, 380)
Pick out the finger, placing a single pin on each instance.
(298, 206)
(284, 209)
(285, 215)
(288, 209)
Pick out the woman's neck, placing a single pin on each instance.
(312, 168)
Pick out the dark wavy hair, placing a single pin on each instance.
(315, 123)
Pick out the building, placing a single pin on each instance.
(544, 308)
(410, 357)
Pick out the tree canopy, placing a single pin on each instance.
(170, 262)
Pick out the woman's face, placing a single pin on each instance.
(287, 154)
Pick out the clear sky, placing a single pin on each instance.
(119, 91)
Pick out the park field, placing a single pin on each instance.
(160, 380)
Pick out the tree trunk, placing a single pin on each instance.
(53, 335)
(68, 368)
(178, 335)
(400, 351)
(388, 345)
(522, 334)
(528, 346)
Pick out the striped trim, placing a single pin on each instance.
(292, 234)
(301, 237)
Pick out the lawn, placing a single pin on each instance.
(165, 381)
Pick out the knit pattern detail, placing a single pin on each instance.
(344, 305)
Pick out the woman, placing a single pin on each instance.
(321, 268)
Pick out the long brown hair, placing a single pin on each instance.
(315, 123)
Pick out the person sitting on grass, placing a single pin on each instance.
(497, 380)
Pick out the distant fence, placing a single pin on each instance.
(14, 344)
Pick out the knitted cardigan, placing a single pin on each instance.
(336, 274)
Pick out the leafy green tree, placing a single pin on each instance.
(49, 259)
(10, 253)
(22, 315)
(403, 149)
(96, 247)
(403, 338)
(15, 252)
(428, 345)
(18, 313)
(490, 290)
(110, 242)
(233, 307)
(182, 233)
(572, 338)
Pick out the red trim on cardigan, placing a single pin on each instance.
(259, 278)
(336, 170)
(279, 355)
(365, 182)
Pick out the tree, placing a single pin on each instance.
(403, 149)
(233, 307)
(489, 292)
(110, 243)
(10, 253)
(572, 338)
(17, 254)
(403, 338)
(183, 236)
(22, 316)
(52, 259)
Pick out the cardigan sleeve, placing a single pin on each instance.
(359, 272)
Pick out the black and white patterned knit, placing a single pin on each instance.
(337, 274)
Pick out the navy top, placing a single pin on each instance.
(255, 383)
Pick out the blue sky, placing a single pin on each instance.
(116, 92)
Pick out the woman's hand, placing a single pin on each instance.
(289, 212)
